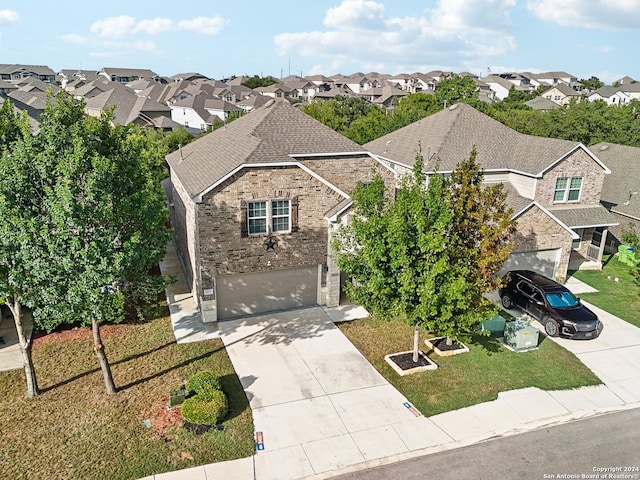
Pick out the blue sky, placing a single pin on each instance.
(220, 39)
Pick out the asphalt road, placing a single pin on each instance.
(581, 449)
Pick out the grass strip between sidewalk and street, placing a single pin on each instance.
(469, 378)
(74, 430)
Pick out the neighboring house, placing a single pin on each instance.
(553, 78)
(632, 89)
(541, 103)
(611, 95)
(621, 190)
(385, 96)
(14, 73)
(277, 90)
(553, 186)
(126, 75)
(199, 112)
(501, 86)
(131, 109)
(561, 94)
(33, 103)
(190, 77)
(254, 205)
(65, 76)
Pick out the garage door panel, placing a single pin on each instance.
(261, 292)
(541, 261)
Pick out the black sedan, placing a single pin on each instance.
(552, 304)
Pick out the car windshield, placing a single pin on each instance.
(561, 299)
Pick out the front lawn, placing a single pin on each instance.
(621, 298)
(469, 378)
(74, 430)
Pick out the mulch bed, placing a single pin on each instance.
(84, 333)
(405, 361)
(441, 344)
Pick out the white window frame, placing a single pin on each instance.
(566, 191)
(254, 217)
(275, 216)
(269, 217)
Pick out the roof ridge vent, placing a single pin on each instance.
(269, 103)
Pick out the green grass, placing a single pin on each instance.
(469, 378)
(74, 430)
(621, 298)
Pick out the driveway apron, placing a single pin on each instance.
(318, 405)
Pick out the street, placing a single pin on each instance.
(607, 446)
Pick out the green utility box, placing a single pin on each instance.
(627, 254)
(177, 397)
(495, 325)
(520, 336)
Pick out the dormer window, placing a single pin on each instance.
(567, 189)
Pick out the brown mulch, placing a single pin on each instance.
(164, 419)
(106, 331)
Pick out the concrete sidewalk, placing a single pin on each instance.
(322, 410)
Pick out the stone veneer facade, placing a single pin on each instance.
(578, 164)
(221, 249)
(536, 231)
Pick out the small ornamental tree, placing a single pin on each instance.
(431, 254)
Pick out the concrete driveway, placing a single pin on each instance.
(614, 356)
(316, 401)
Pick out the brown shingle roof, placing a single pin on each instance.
(583, 216)
(267, 134)
(619, 187)
(450, 135)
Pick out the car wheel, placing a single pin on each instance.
(506, 301)
(551, 327)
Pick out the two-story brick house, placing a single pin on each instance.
(253, 207)
(554, 186)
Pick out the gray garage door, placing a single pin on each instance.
(261, 292)
(541, 261)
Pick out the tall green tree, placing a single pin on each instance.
(479, 241)
(454, 89)
(430, 254)
(23, 235)
(94, 225)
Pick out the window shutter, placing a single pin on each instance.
(294, 214)
(244, 228)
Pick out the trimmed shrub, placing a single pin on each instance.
(203, 381)
(206, 408)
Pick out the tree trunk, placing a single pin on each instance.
(102, 358)
(449, 341)
(25, 349)
(416, 343)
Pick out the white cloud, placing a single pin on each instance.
(204, 25)
(8, 17)
(605, 14)
(73, 38)
(114, 27)
(362, 32)
(155, 26)
(357, 14)
(123, 26)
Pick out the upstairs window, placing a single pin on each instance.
(567, 189)
(262, 217)
(280, 215)
(257, 217)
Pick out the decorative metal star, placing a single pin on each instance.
(270, 243)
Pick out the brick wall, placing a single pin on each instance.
(346, 172)
(537, 231)
(578, 164)
(182, 222)
(222, 248)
